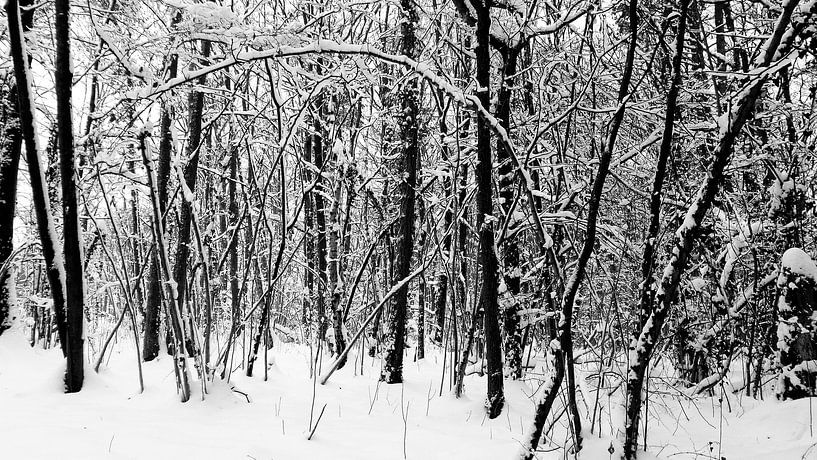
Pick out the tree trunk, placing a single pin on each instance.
(150, 342)
(642, 348)
(421, 283)
(487, 256)
(10, 148)
(39, 187)
(651, 240)
(562, 353)
(309, 241)
(318, 157)
(511, 262)
(796, 334)
(273, 273)
(232, 250)
(441, 292)
(193, 152)
(334, 253)
(648, 287)
(72, 237)
(176, 331)
(408, 137)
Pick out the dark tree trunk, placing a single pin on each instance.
(651, 240)
(10, 149)
(563, 352)
(272, 274)
(421, 295)
(193, 151)
(39, 187)
(455, 185)
(511, 262)
(232, 250)
(318, 156)
(150, 342)
(648, 286)
(407, 120)
(176, 330)
(350, 177)
(339, 246)
(485, 218)
(441, 292)
(309, 242)
(72, 238)
(689, 231)
(461, 272)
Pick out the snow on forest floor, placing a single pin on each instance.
(362, 420)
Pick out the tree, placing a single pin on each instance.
(796, 339)
(72, 236)
(153, 307)
(55, 269)
(778, 45)
(563, 348)
(195, 114)
(407, 120)
(11, 147)
(593, 133)
(488, 301)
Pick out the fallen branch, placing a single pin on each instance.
(312, 432)
(342, 357)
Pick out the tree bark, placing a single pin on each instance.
(319, 209)
(511, 262)
(562, 351)
(408, 151)
(193, 151)
(421, 283)
(334, 256)
(778, 44)
(489, 305)
(309, 242)
(176, 331)
(72, 236)
(10, 148)
(55, 269)
(232, 249)
(153, 306)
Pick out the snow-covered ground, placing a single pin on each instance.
(362, 419)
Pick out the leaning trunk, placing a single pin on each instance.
(39, 187)
(778, 44)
